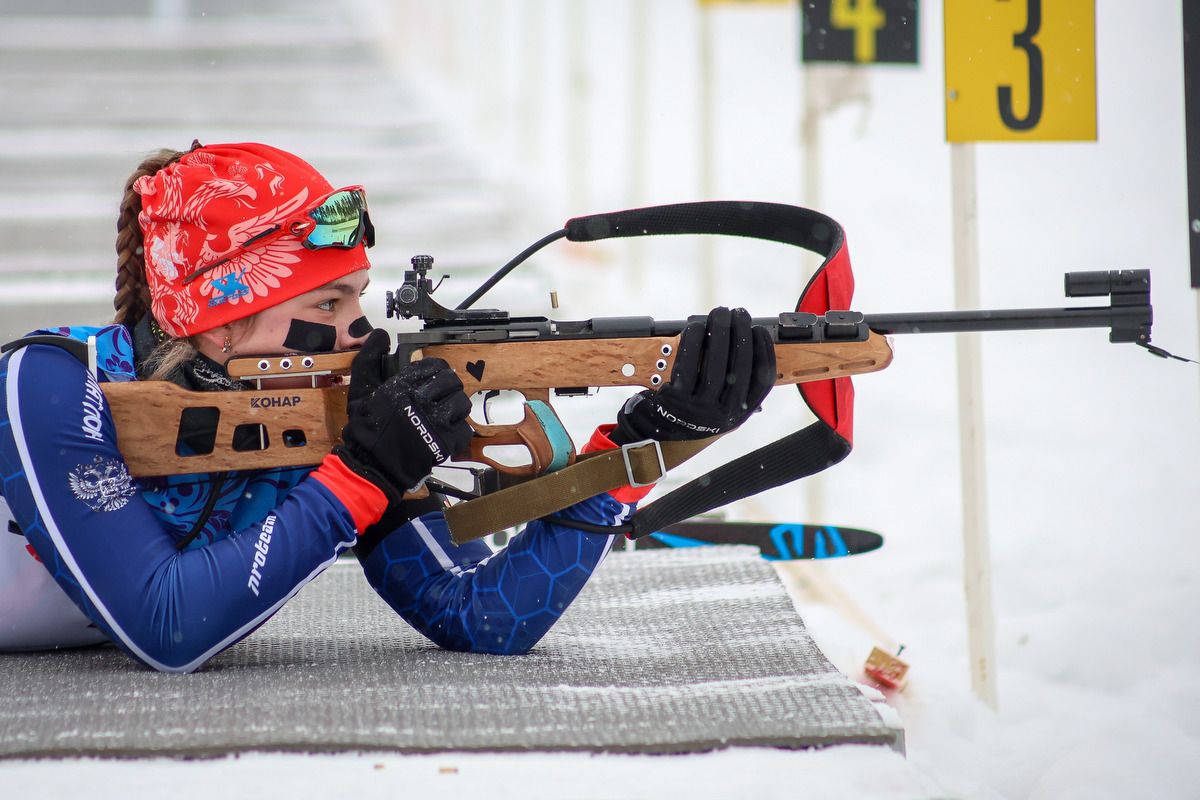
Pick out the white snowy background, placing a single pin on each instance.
(1091, 447)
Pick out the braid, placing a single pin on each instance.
(132, 299)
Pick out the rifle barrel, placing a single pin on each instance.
(1128, 323)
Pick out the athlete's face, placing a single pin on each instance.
(314, 322)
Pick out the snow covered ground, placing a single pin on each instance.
(1091, 447)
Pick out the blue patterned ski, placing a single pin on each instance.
(777, 541)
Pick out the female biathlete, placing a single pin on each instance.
(237, 249)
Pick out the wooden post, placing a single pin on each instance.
(977, 573)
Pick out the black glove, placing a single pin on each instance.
(398, 429)
(366, 372)
(723, 371)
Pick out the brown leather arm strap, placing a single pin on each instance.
(592, 474)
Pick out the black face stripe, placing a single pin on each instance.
(13, 527)
(360, 327)
(310, 337)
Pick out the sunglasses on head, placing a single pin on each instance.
(339, 219)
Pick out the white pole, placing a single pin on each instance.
(398, 21)
(708, 261)
(486, 41)
(531, 47)
(811, 138)
(1197, 293)
(639, 65)
(577, 95)
(814, 98)
(418, 23)
(826, 87)
(977, 573)
(445, 36)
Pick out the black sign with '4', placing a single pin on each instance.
(859, 31)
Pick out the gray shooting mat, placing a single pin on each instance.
(665, 651)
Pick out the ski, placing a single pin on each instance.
(778, 542)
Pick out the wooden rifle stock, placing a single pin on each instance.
(298, 427)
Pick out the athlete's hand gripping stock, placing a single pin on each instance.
(398, 429)
(723, 371)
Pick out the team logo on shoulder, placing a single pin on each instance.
(105, 484)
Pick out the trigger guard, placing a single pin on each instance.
(549, 445)
(487, 396)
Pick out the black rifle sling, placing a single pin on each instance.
(795, 456)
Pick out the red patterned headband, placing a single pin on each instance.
(200, 214)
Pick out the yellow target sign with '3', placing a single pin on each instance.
(1020, 69)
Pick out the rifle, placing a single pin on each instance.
(818, 347)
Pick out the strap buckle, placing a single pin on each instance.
(662, 467)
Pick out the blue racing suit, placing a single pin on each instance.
(112, 542)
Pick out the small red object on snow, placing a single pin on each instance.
(886, 670)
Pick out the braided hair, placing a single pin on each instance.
(132, 299)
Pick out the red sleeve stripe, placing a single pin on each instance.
(363, 499)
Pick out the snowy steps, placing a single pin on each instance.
(92, 87)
